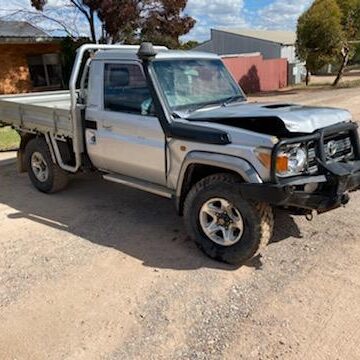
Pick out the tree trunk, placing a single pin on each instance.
(345, 52)
(92, 27)
(307, 78)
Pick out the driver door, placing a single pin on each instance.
(129, 138)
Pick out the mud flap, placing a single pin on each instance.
(20, 162)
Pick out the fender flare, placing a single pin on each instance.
(226, 162)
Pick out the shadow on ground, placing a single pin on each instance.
(135, 223)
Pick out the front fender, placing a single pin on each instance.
(222, 161)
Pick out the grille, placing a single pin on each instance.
(337, 148)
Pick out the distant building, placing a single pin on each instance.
(30, 59)
(271, 44)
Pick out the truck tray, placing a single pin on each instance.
(44, 112)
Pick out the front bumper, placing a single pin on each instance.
(326, 191)
(331, 191)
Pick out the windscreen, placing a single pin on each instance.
(190, 84)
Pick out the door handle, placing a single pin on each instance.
(91, 137)
(107, 127)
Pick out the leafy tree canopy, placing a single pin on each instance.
(132, 21)
(165, 24)
(350, 18)
(189, 45)
(319, 34)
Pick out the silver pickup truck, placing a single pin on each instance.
(176, 124)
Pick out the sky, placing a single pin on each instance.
(261, 14)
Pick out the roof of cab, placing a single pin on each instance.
(163, 54)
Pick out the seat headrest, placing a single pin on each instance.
(119, 77)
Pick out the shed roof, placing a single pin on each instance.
(276, 36)
(19, 29)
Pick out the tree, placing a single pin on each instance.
(85, 7)
(68, 55)
(165, 23)
(50, 17)
(350, 22)
(356, 58)
(132, 21)
(121, 19)
(189, 45)
(319, 35)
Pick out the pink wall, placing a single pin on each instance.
(255, 74)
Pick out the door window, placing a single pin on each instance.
(126, 90)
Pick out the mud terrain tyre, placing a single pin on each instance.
(224, 225)
(43, 173)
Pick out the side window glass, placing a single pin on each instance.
(126, 90)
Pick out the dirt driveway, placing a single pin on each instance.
(101, 271)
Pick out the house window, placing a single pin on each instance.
(45, 71)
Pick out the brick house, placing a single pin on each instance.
(30, 59)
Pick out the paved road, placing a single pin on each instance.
(101, 271)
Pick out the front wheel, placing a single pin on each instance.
(44, 174)
(224, 225)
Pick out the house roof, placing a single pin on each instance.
(20, 29)
(22, 32)
(279, 37)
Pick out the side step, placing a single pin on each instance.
(139, 184)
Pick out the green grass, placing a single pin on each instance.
(9, 139)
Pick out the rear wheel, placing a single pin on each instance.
(224, 225)
(44, 174)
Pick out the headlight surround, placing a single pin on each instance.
(291, 160)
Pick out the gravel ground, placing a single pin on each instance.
(101, 271)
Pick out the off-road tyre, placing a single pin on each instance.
(57, 179)
(258, 219)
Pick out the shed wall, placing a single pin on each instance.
(254, 74)
(223, 43)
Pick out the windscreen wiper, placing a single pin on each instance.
(223, 102)
(232, 99)
(202, 106)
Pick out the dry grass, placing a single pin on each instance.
(9, 139)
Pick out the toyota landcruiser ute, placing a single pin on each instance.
(177, 125)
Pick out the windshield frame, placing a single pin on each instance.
(220, 102)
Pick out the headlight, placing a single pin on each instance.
(297, 160)
(292, 160)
